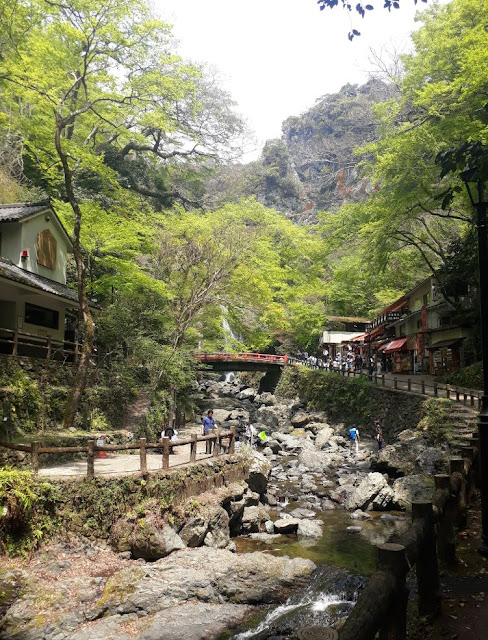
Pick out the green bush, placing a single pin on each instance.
(437, 420)
(23, 402)
(470, 377)
(26, 510)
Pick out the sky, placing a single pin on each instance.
(277, 57)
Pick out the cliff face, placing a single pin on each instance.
(312, 167)
(321, 142)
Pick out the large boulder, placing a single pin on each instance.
(323, 438)
(414, 488)
(399, 459)
(300, 419)
(432, 460)
(286, 525)
(218, 528)
(145, 538)
(268, 399)
(274, 416)
(366, 492)
(258, 474)
(246, 394)
(221, 415)
(310, 528)
(194, 531)
(314, 460)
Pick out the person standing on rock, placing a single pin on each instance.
(354, 439)
(379, 434)
(208, 425)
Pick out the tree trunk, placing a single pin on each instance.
(88, 324)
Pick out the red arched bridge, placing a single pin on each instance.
(242, 361)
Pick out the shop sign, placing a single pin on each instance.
(393, 316)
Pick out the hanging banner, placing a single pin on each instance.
(420, 344)
(424, 318)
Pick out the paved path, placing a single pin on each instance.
(123, 464)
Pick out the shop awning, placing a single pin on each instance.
(395, 345)
(445, 343)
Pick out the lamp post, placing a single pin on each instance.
(481, 207)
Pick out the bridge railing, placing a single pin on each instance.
(223, 442)
(247, 357)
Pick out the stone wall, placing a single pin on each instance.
(90, 507)
(353, 401)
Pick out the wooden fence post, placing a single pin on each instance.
(457, 466)
(35, 456)
(391, 557)
(429, 587)
(395, 385)
(90, 461)
(15, 346)
(143, 457)
(216, 448)
(448, 392)
(383, 380)
(436, 390)
(423, 387)
(165, 453)
(193, 447)
(446, 536)
(48, 348)
(409, 384)
(232, 440)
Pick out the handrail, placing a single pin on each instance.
(91, 448)
(249, 357)
(462, 395)
(51, 346)
(382, 605)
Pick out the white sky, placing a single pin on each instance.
(277, 57)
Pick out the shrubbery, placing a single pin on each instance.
(26, 510)
(470, 377)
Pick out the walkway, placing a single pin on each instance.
(124, 464)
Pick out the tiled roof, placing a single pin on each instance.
(12, 272)
(21, 210)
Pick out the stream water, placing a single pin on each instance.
(345, 557)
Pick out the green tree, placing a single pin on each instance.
(80, 76)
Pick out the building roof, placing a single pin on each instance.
(10, 271)
(349, 319)
(20, 210)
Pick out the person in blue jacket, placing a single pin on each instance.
(208, 425)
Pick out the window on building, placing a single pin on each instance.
(426, 298)
(41, 316)
(46, 249)
(419, 324)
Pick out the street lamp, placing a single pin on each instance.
(470, 162)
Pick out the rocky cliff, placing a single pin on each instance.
(313, 166)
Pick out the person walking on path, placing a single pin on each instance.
(354, 439)
(208, 425)
(378, 434)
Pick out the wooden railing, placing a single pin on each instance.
(244, 357)
(223, 442)
(471, 397)
(23, 343)
(382, 605)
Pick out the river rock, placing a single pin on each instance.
(364, 494)
(239, 414)
(218, 528)
(246, 394)
(300, 512)
(286, 525)
(194, 531)
(414, 488)
(432, 461)
(300, 419)
(144, 538)
(384, 500)
(315, 460)
(258, 474)
(221, 415)
(323, 437)
(268, 399)
(273, 416)
(310, 528)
